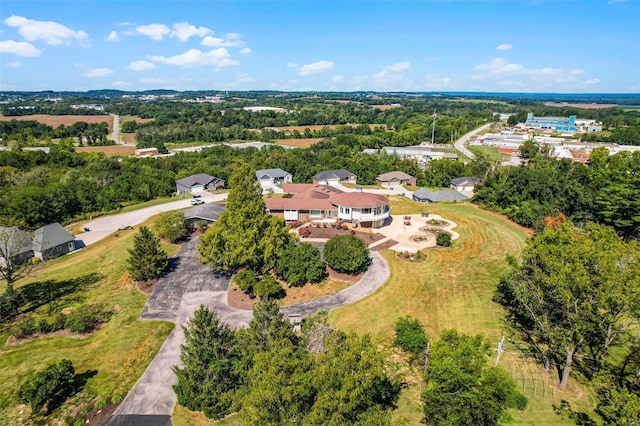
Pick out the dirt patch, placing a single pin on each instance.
(14, 341)
(238, 299)
(412, 257)
(56, 120)
(329, 232)
(301, 143)
(97, 416)
(128, 138)
(386, 107)
(386, 245)
(352, 279)
(146, 287)
(110, 150)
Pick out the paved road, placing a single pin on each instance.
(460, 142)
(153, 393)
(105, 225)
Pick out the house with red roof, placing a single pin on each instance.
(324, 203)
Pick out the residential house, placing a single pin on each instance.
(465, 183)
(270, 177)
(324, 203)
(207, 213)
(425, 196)
(198, 183)
(44, 243)
(396, 178)
(332, 177)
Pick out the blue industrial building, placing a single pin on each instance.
(554, 123)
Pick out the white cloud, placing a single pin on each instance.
(400, 66)
(506, 46)
(210, 41)
(391, 77)
(292, 65)
(499, 66)
(15, 64)
(50, 32)
(184, 30)
(152, 80)
(20, 48)
(591, 81)
(219, 58)
(240, 82)
(316, 67)
(435, 82)
(98, 72)
(338, 78)
(113, 36)
(121, 84)
(154, 31)
(245, 51)
(141, 66)
(576, 72)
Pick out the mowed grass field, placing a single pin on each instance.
(56, 120)
(300, 143)
(118, 353)
(452, 289)
(109, 150)
(492, 153)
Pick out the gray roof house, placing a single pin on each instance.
(396, 178)
(208, 212)
(334, 176)
(44, 243)
(269, 177)
(198, 183)
(425, 196)
(465, 183)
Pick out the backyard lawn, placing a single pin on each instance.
(454, 289)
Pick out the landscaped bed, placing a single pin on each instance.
(329, 231)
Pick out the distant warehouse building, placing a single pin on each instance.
(552, 123)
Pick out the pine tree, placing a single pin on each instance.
(146, 260)
(244, 235)
(209, 377)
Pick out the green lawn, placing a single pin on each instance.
(453, 289)
(492, 153)
(117, 354)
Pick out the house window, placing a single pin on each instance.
(59, 248)
(377, 211)
(328, 213)
(366, 210)
(315, 213)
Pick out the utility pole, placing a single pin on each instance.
(433, 130)
(500, 350)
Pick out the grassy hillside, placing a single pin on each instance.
(453, 289)
(115, 356)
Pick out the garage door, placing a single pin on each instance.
(291, 215)
(197, 188)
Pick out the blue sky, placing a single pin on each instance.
(588, 46)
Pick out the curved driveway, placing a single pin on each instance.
(153, 393)
(460, 142)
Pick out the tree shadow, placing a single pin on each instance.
(33, 295)
(77, 384)
(172, 266)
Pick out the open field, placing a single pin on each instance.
(118, 353)
(301, 143)
(125, 118)
(56, 120)
(290, 129)
(386, 107)
(580, 105)
(452, 289)
(492, 153)
(128, 138)
(109, 150)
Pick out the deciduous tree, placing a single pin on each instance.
(173, 226)
(346, 253)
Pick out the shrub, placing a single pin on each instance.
(346, 253)
(443, 239)
(24, 328)
(410, 336)
(345, 227)
(86, 319)
(246, 280)
(58, 322)
(44, 327)
(49, 387)
(301, 264)
(269, 288)
(304, 232)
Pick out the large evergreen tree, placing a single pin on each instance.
(208, 378)
(146, 259)
(244, 235)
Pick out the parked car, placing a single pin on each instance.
(196, 201)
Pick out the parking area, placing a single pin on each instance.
(187, 275)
